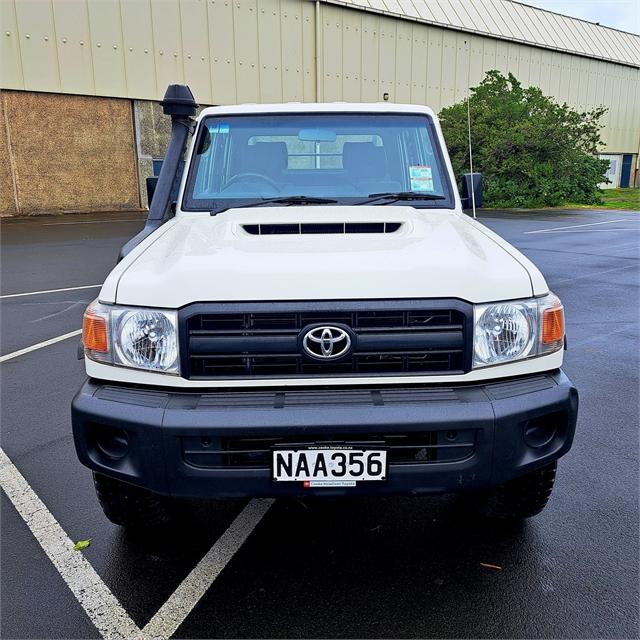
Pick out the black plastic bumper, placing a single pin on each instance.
(147, 437)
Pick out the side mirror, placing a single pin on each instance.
(466, 196)
(152, 182)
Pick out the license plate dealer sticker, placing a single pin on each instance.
(329, 466)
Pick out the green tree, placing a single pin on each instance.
(531, 150)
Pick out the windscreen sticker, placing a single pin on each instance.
(219, 128)
(421, 178)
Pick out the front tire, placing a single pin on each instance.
(132, 507)
(521, 498)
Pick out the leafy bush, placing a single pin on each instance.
(531, 150)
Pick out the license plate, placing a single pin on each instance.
(330, 466)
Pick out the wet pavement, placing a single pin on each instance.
(386, 567)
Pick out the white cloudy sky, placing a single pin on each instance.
(620, 14)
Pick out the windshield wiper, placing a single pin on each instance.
(288, 200)
(300, 200)
(401, 195)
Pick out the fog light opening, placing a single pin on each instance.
(113, 443)
(539, 432)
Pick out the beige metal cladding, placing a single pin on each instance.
(227, 51)
(514, 21)
(233, 51)
(365, 55)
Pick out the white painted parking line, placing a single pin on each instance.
(39, 293)
(99, 603)
(596, 273)
(609, 230)
(40, 345)
(56, 224)
(182, 601)
(573, 226)
(102, 607)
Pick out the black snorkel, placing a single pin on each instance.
(180, 104)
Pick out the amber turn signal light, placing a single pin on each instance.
(553, 325)
(94, 332)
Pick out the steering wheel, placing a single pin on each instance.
(240, 176)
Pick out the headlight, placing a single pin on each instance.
(146, 339)
(508, 331)
(132, 337)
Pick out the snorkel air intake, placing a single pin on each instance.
(180, 105)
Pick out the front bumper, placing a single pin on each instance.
(158, 439)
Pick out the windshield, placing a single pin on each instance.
(327, 158)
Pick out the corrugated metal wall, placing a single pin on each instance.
(232, 51)
(514, 21)
(365, 55)
(245, 50)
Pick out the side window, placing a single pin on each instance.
(212, 149)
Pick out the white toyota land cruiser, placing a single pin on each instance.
(314, 315)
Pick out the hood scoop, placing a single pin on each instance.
(302, 228)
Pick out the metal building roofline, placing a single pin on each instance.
(550, 30)
(564, 15)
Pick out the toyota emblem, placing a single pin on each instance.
(326, 343)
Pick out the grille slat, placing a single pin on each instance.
(267, 344)
(402, 448)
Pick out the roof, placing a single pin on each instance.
(510, 20)
(316, 107)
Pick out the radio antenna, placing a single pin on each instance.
(473, 190)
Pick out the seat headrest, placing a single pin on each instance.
(364, 160)
(265, 157)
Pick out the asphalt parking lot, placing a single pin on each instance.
(393, 567)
